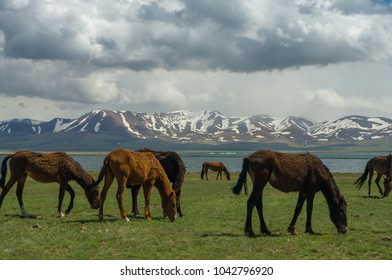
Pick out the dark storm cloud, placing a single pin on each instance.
(94, 52)
(198, 35)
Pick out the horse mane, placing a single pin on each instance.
(83, 178)
(333, 183)
(173, 157)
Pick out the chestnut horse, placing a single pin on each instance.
(47, 168)
(382, 166)
(136, 168)
(214, 166)
(303, 173)
(175, 170)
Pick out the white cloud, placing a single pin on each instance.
(239, 57)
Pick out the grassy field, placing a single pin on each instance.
(212, 227)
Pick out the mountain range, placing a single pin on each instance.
(104, 130)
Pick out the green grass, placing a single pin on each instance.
(212, 226)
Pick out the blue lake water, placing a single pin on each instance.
(344, 163)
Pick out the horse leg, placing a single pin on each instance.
(378, 183)
(217, 175)
(11, 182)
(108, 181)
(259, 207)
(19, 195)
(135, 192)
(297, 211)
(178, 194)
(255, 198)
(206, 173)
(71, 202)
(309, 210)
(62, 188)
(147, 191)
(370, 180)
(121, 185)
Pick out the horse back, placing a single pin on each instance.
(137, 167)
(44, 167)
(379, 164)
(285, 172)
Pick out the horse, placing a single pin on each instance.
(47, 168)
(175, 170)
(303, 173)
(214, 166)
(382, 166)
(136, 168)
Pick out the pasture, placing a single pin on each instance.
(212, 226)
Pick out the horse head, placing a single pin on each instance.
(169, 205)
(93, 196)
(339, 215)
(228, 176)
(387, 185)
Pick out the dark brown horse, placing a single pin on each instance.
(382, 166)
(136, 168)
(175, 170)
(303, 173)
(46, 168)
(214, 166)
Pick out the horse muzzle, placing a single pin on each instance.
(342, 230)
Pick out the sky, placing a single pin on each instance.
(320, 59)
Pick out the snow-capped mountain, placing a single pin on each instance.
(205, 127)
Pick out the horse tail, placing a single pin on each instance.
(202, 171)
(103, 170)
(4, 171)
(359, 182)
(242, 178)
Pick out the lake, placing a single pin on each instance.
(343, 163)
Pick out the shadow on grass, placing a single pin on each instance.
(254, 236)
(369, 196)
(33, 217)
(112, 218)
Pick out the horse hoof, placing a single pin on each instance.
(60, 215)
(291, 230)
(126, 219)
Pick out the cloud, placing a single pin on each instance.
(173, 54)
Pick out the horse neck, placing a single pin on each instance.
(164, 187)
(330, 191)
(84, 180)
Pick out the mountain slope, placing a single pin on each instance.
(201, 127)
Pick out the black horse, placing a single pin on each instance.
(175, 170)
(303, 173)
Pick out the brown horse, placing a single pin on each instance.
(136, 168)
(303, 173)
(382, 166)
(214, 166)
(175, 170)
(46, 168)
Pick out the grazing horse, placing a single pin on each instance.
(214, 166)
(136, 168)
(47, 168)
(382, 166)
(303, 173)
(175, 170)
